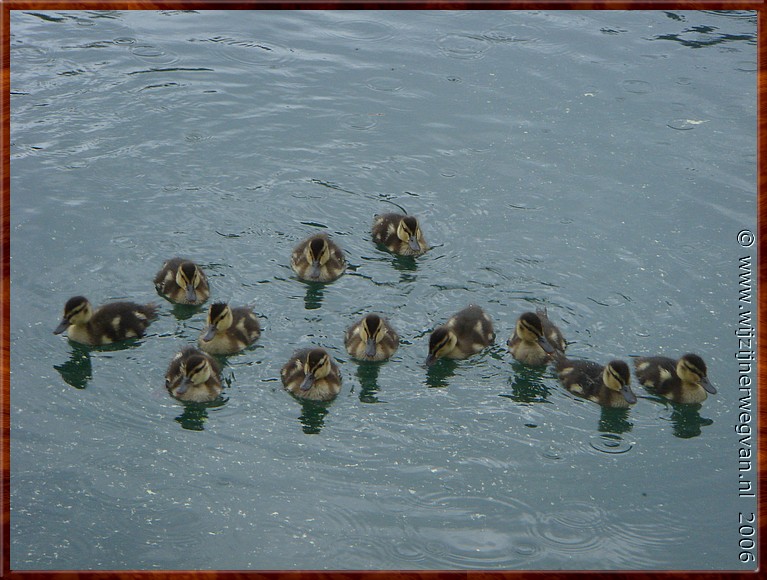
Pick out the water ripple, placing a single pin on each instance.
(463, 46)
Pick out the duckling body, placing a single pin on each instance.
(229, 330)
(400, 234)
(311, 373)
(318, 259)
(193, 376)
(607, 385)
(536, 338)
(109, 323)
(464, 334)
(182, 281)
(371, 338)
(682, 381)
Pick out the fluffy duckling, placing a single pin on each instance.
(682, 381)
(535, 338)
(464, 334)
(609, 385)
(371, 338)
(109, 323)
(400, 234)
(182, 282)
(193, 376)
(318, 259)
(311, 373)
(229, 330)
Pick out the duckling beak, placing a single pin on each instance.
(191, 295)
(210, 332)
(63, 325)
(628, 394)
(184, 386)
(430, 360)
(706, 384)
(545, 344)
(314, 272)
(308, 382)
(370, 347)
(414, 245)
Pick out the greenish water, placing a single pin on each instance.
(600, 164)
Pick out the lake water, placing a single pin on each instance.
(600, 164)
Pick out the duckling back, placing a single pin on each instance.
(682, 381)
(400, 234)
(607, 385)
(465, 333)
(182, 281)
(109, 323)
(229, 330)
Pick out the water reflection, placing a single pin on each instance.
(77, 371)
(437, 375)
(312, 416)
(687, 421)
(314, 294)
(186, 311)
(405, 265)
(527, 385)
(194, 415)
(614, 420)
(367, 374)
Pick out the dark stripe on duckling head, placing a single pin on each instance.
(694, 364)
(438, 339)
(217, 311)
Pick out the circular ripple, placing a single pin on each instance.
(637, 87)
(610, 443)
(31, 54)
(684, 124)
(384, 84)
(746, 66)
(153, 54)
(361, 122)
(363, 30)
(252, 51)
(462, 46)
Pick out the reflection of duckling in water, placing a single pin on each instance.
(681, 381)
(318, 259)
(229, 330)
(371, 338)
(464, 334)
(113, 322)
(312, 374)
(535, 338)
(182, 282)
(609, 385)
(193, 376)
(400, 234)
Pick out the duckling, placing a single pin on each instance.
(535, 338)
(464, 334)
(609, 385)
(681, 381)
(193, 376)
(182, 282)
(109, 323)
(400, 234)
(229, 330)
(318, 259)
(371, 338)
(311, 373)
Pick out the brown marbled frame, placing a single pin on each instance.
(7, 5)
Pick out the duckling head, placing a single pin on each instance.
(530, 329)
(196, 371)
(617, 377)
(372, 331)
(188, 277)
(77, 310)
(316, 366)
(692, 369)
(409, 231)
(219, 319)
(441, 342)
(317, 253)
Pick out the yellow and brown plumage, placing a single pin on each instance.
(182, 281)
(607, 385)
(400, 234)
(371, 338)
(311, 373)
(464, 334)
(318, 259)
(112, 322)
(193, 376)
(229, 330)
(682, 381)
(535, 339)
